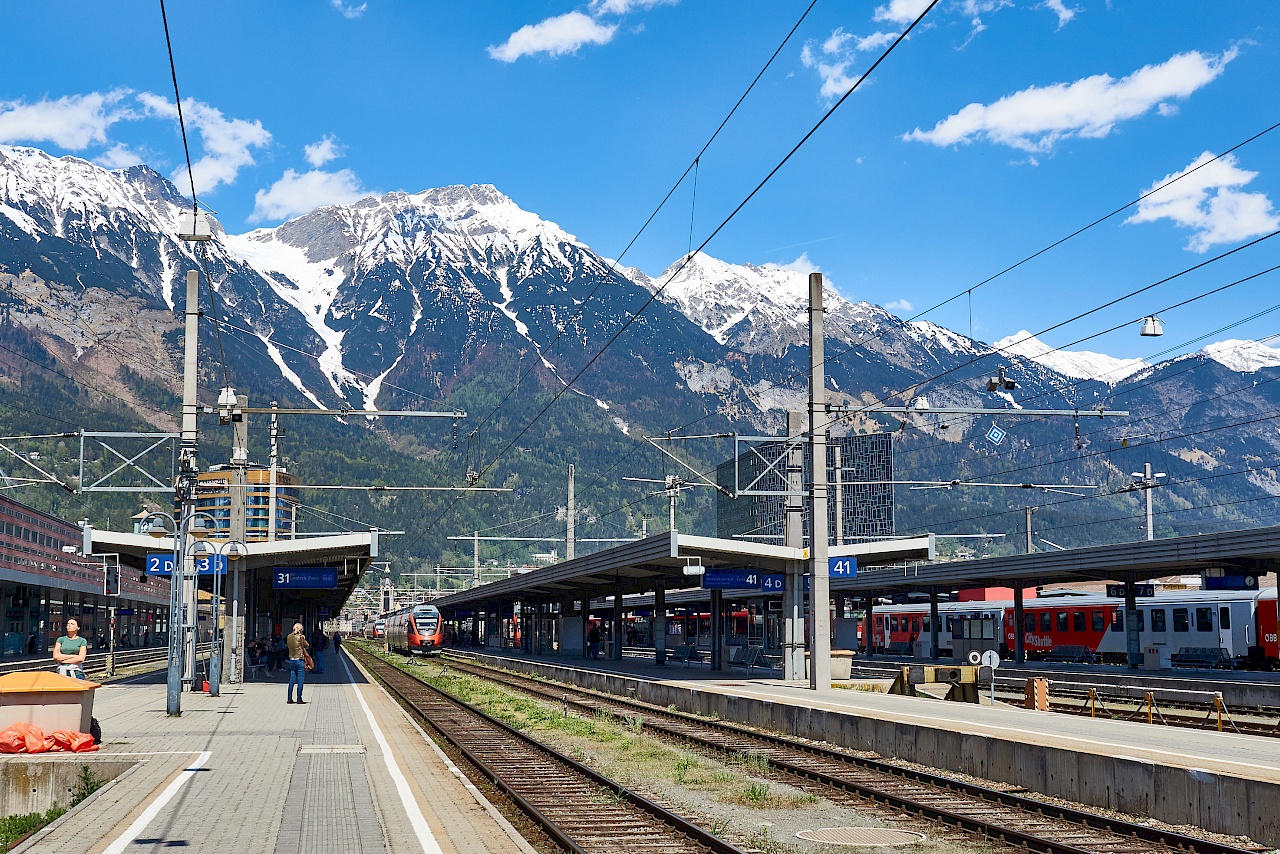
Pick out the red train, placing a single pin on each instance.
(1243, 624)
(415, 631)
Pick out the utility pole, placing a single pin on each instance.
(233, 641)
(475, 551)
(181, 615)
(570, 511)
(820, 642)
(275, 463)
(1031, 546)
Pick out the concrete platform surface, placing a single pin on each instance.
(348, 771)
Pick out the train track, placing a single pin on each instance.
(96, 664)
(1000, 815)
(581, 810)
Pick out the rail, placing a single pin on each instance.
(1036, 825)
(97, 663)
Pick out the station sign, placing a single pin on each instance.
(773, 582)
(124, 612)
(842, 567)
(1142, 591)
(162, 564)
(1230, 582)
(305, 578)
(747, 578)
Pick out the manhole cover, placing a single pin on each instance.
(861, 836)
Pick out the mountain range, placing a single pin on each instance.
(457, 298)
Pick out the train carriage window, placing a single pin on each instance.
(893, 623)
(1181, 620)
(1224, 617)
(1077, 621)
(1029, 622)
(1117, 620)
(915, 624)
(1099, 623)
(1062, 621)
(1204, 619)
(1157, 620)
(1142, 621)
(951, 625)
(1046, 621)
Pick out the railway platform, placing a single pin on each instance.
(349, 771)
(1220, 781)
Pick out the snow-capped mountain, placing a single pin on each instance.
(1077, 364)
(1243, 357)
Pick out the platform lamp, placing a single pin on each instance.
(1151, 327)
(160, 525)
(231, 550)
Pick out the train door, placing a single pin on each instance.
(1226, 632)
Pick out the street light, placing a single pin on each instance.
(160, 525)
(1146, 480)
(231, 550)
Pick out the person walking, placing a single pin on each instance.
(70, 651)
(318, 643)
(298, 647)
(337, 644)
(593, 641)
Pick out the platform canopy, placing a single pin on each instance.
(349, 553)
(640, 566)
(1251, 552)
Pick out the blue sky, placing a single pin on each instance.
(997, 128)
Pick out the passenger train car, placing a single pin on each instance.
(375, 629)
(1243, 624)
(416, 631)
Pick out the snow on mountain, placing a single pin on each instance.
(1077, 364)
(1244, 357)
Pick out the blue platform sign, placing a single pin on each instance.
(305, 578)
(773, 582)
(162, 564)
(842, 567)
(732, 579)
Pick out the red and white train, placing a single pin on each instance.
(1243, 624)
(415, 631)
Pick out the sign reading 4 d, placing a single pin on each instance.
(773, 582)
(842, 567)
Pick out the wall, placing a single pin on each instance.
(35, 783)
(1216, 802)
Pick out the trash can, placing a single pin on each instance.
(47, 700)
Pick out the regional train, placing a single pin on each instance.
(415, 631)
(375, 629)
(1243, 624)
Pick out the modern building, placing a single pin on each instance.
(46, 580)
(215, 499)
(860, 475)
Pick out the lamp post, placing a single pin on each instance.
(1147, 480)
(160, 525)
(232, 550)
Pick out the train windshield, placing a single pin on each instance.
(426, 621)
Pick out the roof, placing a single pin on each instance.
(638, 566)
(42, 682)
(1254, 551)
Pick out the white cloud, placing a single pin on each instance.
(1037, 118)
(832, 58)
(118, 156)
(901, 305)
(900, 12)
(554, 36)
(1210, 202)
(298, 193)
(227, 143)
(321, 152)
(1064, 12)
(975, 9)
(348, 10)
(803, 264)
(73, 122)
(622, 7)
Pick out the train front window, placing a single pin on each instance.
(1204, 619)
(1224, 617)
(1157, 620)
(1181, 620)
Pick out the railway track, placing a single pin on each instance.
(999, 815)
(97, 662)
(581, 810)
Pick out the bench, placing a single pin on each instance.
(1197, 656)
(899, 648)
(747, 657)
(1071, 655)
(688, 653)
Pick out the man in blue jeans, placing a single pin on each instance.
(298, 647)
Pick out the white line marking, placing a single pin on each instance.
(420, 827)
(149, 814)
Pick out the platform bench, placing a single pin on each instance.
(899, 648)
(1071, 654)
(687, 653)
(1194, 656)
(747, 657)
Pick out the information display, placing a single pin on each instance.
(1142, 591)
(732, 579)
(305, 578)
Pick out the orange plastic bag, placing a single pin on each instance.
(76, 742)
(12, 741)
(34, 736)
